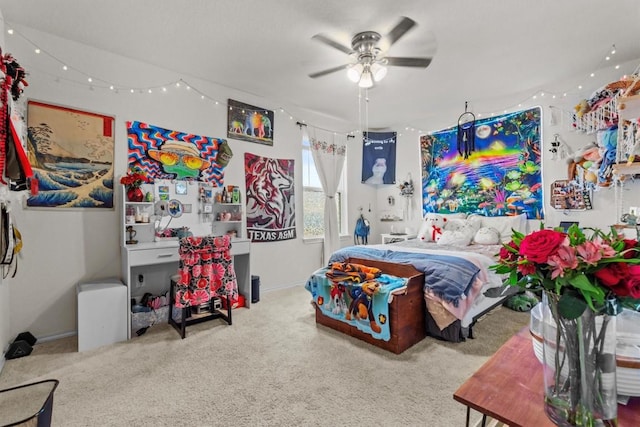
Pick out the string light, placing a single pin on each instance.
(93, 84)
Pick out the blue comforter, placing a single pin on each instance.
(448, 277)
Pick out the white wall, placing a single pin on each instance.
(64, 247)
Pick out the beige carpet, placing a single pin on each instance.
(272, 367)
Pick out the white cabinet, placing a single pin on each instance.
(102, 311)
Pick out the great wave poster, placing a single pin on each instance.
(71, 153)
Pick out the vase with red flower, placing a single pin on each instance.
(132, 181)
(135, 194)
(586, 275)
(579, 366)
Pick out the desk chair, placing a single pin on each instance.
(205, 271)
(28, 405)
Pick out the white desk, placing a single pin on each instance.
(158, 261)
(391, 238)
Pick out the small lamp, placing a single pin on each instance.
(354, 72)
(378, 71)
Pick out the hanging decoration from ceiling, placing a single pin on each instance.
(71, 152)
(379, 157)
(466, 132)
(270, 198)
(501, 177)
(168, 154)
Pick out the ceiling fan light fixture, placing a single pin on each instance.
(366, 80)
(354, 72)
(378, 71)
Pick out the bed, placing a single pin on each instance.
(449, 277)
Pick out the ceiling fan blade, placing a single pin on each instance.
(328, 71)
(334, 44)
(407, 62)
(399, 30)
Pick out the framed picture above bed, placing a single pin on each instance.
(501, 176)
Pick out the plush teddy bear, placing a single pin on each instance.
(432, 227)
(582, 108)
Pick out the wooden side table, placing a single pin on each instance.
(509, 388)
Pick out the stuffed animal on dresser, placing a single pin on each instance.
(432, 227)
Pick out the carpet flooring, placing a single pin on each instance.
(273, 367)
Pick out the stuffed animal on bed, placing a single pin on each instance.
(432, 227)
(362, 304)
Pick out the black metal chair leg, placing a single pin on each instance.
(229, 309)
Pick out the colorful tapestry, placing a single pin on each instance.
(363, 305)
(168, 154)
(379, 158)
(249, 123)
(71, 152)
(270, 198)
(501, 177)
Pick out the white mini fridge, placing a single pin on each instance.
(102, 313)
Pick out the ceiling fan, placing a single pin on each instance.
(368, 48)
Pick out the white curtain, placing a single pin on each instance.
(328, 155)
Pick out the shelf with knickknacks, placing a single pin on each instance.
(227, 212)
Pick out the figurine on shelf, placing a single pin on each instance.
(132, 233)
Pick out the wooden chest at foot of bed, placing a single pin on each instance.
(406, 311)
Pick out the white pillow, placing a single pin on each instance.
(457, 215)
(455, 224)
(461, 234)
(458, 238)
(487, 236)
(504, 224)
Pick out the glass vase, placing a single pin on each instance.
(580, 367)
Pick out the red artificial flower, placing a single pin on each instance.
(134, 178)
(539, 245)
(526, 269)
(612, 274)
(630, 285)
(629, 244)
(506, 254)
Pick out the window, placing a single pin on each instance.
(313, 197)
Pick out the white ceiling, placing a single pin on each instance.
(483, 50)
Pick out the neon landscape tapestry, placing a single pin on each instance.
(502, 176)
